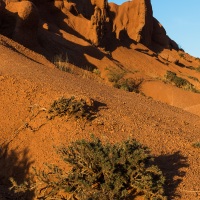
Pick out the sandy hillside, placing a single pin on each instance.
(103, 68)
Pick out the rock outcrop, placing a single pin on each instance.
(27, 22)
(160, 36)
(83, 7)
(135, 18)
(96, 12)
(20, 21)
(100, 26)
(96, 20)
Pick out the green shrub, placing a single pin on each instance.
(180, 82)
(97, 72)
(108, 172)
(71, 106)
(193, 78)
(191, 67)
(112, 171)
(181, 55)
(115, 76)
(196, 145)
(62, 63)
(198, 69)
(129, 85)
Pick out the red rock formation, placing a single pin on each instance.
(27, 20)
(134, 17)
(95, 20)
(83, 7)
(99, 23)
(160, 37)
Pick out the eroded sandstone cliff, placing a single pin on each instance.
(95, 20)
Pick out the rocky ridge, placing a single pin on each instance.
(97, 21)
(82, 48)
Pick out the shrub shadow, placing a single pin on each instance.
(16, 165)
(99, 105)
(180, 64)
(172, 167)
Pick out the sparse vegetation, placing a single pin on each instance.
(72, 107)
(111, 171)
(97, 72)
(114, 76)
(198, 69)
(180, 82)
(196, 145)
(191, 67)
(62, 63)
(127, 84)
(193, 78)
(181, 55)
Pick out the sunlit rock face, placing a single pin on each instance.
(96, 20)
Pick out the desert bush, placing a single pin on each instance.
(108, 172)
(191, 67)
(198, 69)
(115, 75)
(72, 107)
(180, 82)
(181, 55)
(196, 145)
(193, 78)
(129, 85)
(97, 72)
(62, 63)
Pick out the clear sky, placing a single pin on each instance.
(181, 20)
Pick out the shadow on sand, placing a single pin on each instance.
(172, 166)
(13, 164)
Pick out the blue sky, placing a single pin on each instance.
(181, 20)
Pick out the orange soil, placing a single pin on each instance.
(28, 86)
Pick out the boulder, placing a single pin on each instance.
(27, 21)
